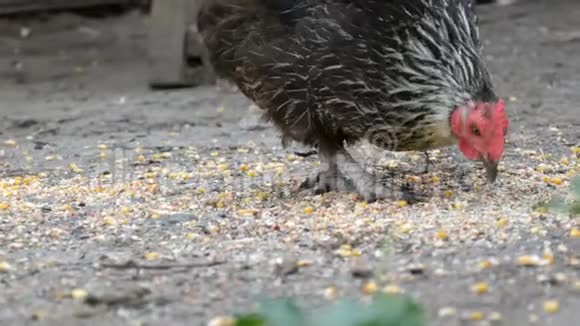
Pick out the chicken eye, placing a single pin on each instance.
(475, 131)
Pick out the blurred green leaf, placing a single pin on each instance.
(385, 310)
(345, 313)
(575, 208)
(251, 320)
(558, 204)
(394, 310)
(282, 312)
(576, 186)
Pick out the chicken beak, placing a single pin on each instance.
(490, 169)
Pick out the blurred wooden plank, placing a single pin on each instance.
(171, 46)
(9, 7)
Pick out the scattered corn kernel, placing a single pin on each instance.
(103, 147)
(214, 153)
(501, 222)
(485, 264)
(442, 235)
(109, 220)
(448, 193)
(476, 316)
(447, 312)
(74, 168)
(392, 289)
(248, 212)
(4, 206)
(414, 179)
(10, 142)
(480, 288)
(529, 260)
(495, 316)
(555, 181)
(304, 263)
(4, 267)
(152, 255)
(548, 257)
(200, 190)
(575, 233)
(125, 210)
(79, 294)
(347, 251)
(369, 287)
(222, 321)
(331, 293)
(406, 228)
(401, 203)
(435, 179)
(308, 210)
(551, 306)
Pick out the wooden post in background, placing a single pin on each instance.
(177, 58)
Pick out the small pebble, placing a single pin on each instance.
(222, 321)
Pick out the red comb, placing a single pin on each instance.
(500, 113)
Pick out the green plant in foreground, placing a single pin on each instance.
(564, 204)
(385, 310)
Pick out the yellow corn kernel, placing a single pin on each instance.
(442, 235)
(304, 263)
(4, 206)
(501, 222)
(369, 287)
(480, 288)
(476, 316)
(251, 173)
(414, 179)
(575, 233)
(392, 289)
(401, 203)
(528, 261)
(4, 267)
(103, 147)
(485, 264)
(308, 210)
(152, 255)
(10, 142)
(331, 293)
(551, 306)
(79, 294)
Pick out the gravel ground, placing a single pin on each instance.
(176, 207)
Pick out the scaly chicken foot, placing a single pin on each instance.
(326, 179)
(367, 185)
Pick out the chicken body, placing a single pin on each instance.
(332, 72)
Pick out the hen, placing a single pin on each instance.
(407, 75)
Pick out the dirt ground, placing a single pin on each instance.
(124, 206)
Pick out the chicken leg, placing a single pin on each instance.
(367, 185)
(328, 177)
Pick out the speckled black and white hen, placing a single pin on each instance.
(404, 74)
